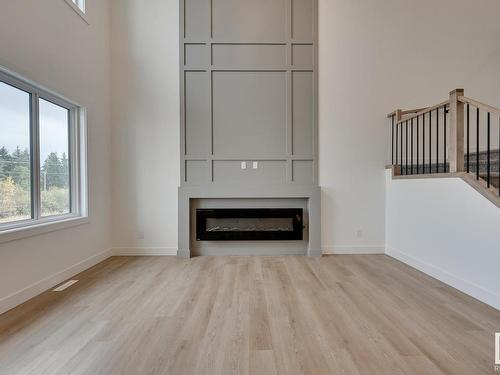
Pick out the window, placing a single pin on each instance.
(79, 7)
(80, 4)
(54, 161)
(42, 156)
(15, 155)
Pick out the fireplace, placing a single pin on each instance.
(249, 224)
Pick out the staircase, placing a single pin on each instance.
(483, 166)
(459, 137)
(473, 167)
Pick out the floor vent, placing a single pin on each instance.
(65, 286)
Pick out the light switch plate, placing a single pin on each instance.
(255, 165)
(243, 165)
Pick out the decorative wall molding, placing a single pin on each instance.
(23, 295)
(249, 107)
(448, 278)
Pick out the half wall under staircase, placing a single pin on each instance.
(443, 196)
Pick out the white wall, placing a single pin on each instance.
(46, 41)
(145, 102)
(376, 56)
(448, 230)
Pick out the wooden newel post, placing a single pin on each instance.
(399, 115)
(456, 145)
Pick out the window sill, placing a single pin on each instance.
(41, 228)
(78, 11)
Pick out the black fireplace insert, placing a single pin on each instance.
(249, 224)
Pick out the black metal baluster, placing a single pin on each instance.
(488, 164)
(411, 146)
(430, 142)
(401, 144)
(406, 147)
(418, 143)
(468, 137)
(423, 144)
(477, 143)
(444, 140)
(397, 140)
(392, 139)
(437, 140)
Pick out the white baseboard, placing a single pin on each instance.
(21, 296)
(145, 251)
(172, 251)
(465, 286)
(341, 250)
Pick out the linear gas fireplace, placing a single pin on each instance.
(233, 117)
(249, 224)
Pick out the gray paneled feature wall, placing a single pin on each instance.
(248, 94)
(249, 91)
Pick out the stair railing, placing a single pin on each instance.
(456, 135)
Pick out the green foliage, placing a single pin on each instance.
(14, 200)
(21, 176)
(7, 197)
(53, 172)
(16, 166)
(4, 159)
(4, 153)
(55, 201)
(15, 183)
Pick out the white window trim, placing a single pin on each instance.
(41, 228)
(78, 11)
(78, 164)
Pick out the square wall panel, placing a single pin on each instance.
(196, 55)
(303, 113)
(302, 20)
(249, 113)
(197, 19)
(249, 55)
(197, 172)
(302, 55)
(244, 20)
(197, 112)
(268, 172)
(303, 172)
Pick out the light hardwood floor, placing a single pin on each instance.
(250, 315)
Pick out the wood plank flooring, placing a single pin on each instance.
(250, 315)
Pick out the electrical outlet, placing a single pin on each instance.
(255, 165)
(243, 165)
(140, 235)
(359, 233)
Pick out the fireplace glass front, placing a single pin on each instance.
(249, 224)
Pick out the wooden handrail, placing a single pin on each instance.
(456, 142)
(424, 111)
(409, 112)
(475, 103)
(406, 112)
